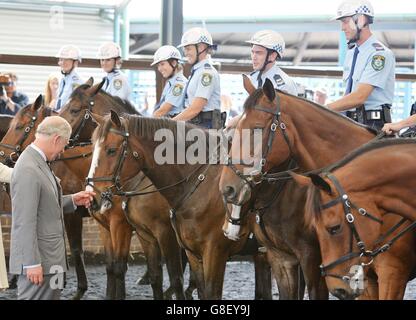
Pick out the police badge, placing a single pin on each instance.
(177, 90)
(118, 83)
(206, 79)
(378, 62)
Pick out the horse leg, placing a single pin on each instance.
(105, 236)
(309, 261)
(392, 281)
(192, 285)
(288, 274)
(154, 262)
(172, 253)
(214, 262)
(73, 226)
(121, 233)
(263, 278)
(196, 272)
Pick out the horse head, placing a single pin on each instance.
(116, 159)
(22, 130)
(345, 231)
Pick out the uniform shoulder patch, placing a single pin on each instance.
(177, 90)
(378, 62)
(279, 80)
(378, 46)
(207, 66)
(118, 84)
(206, 79)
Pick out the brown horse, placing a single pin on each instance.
(20, 134)
(5, 205)
(149, 216)
(124, 147)
(346, 205)
(147, 211)
(314, 136)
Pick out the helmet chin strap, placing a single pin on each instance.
(198, 53)
(352, 42)
(173, 68)
(265, 63)
(66, 73)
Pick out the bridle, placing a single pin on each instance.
(17, 149)
(117, 189)
(74, 140)
(348, 207)
(277, 123)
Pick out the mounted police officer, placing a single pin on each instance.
(202, 92)
(267, 48)
(167, 59)
(368, 70)
(69, 56)
(116, 82)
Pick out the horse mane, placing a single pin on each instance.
(369, 146)
(119, 105)
(312, 206)
(146, 128)
(252, 101)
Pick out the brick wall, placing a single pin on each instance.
(91, 237)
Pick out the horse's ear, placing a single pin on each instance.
(90, 82)
(98, 87)
(115, 119)
(38, 103)
(301, 180)
(98, 119)
(320, 182)
(248, 85)
(268, 90)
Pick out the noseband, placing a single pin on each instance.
(348, 206)
(11, 158)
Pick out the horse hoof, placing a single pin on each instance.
(188, 295)
(80, 293)
(144, 281)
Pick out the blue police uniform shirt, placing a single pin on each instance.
(67, 85)
(204, 82)
(174, 93)
(375, 65)
(117, 84)
(279, 79)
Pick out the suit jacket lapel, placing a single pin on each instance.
(47, 171)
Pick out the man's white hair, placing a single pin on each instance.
(54, 125)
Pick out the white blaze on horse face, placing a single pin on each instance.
(94, 164)
(232, 231)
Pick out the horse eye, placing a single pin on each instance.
(334, 230)
(111, 151)
(75, 111)
(19, 127)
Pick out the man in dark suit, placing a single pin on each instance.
(37, 250)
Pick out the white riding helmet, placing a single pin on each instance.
(109, 50)
(165, 53)
(195, 36)
(350, 8)
(69, 52)
(270, 40)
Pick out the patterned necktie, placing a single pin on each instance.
(354, 60)
(107, 83)
(58, 104)
(259, 80)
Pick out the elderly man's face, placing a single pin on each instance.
(58, 146)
